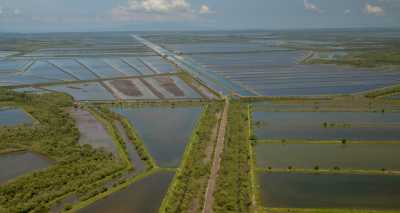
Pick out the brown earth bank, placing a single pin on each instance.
(127, 87)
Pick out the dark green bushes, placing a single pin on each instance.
(234, 182)
(55, 136)
(188, 190)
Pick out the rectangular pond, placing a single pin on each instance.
(101, 68)
(16, 164)
(93, 132)
(291, 190)
(328, 156)
(171, 87)
(144, 196)
(158, 64)
(122, 66)
(74, 68)
(139, 66)
(14, 116)
(327, 125)
(165, 131)
(46, 70)
(278, 73)
(9, 66)
(84, 92)
(130, 89)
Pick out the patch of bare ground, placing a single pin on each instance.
(169, 84)
(126, 87)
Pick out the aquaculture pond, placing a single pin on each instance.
(328, 156)
(296, 190)
(84, 92)
(74, 68)
(127, 89)
(101, 68)
(171, 87)
(277, 73)
(92, 132)
(139, 66)
(144, 196)
(122, 66)
(14, 116)
(16, 164)
(165, 131)
(46, 70)
(158, 64)
(9, 66)
(327, 125)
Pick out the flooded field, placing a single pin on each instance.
(92, 132)
(16, 164)
(84, 91)
(284, 190)
(328, 156)
(11, 66)
(277, 74)
(143, 196)
(14, 116)
(327, 125)
(165, 142)
(48, 71)
(74, 68)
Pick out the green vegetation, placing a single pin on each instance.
(233, 191)
(383, 92)
(362, 59)
(56, 136)
(187, 191)
(132, 135)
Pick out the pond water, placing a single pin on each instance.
(14, 116)
(291, 190)
(73, 67)
(158, 64)
(84, 92)
(101, 68)
(144, 196)
(129, 89)
(92, 132)
(310, 125)
(139, 66)
(277, 73)
(46, 70)
(165, 131)
(134, 157)
(16, 164)
(328, 156)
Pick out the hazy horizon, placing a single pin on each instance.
(194, 15)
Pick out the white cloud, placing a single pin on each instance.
(160, 10)
(348, 11)
(204, 9)
(374, 10)
(1, 10)
(311, 7)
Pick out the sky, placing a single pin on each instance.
(143, 15)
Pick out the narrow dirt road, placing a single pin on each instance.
(209, 198)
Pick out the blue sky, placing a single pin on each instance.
(103, 15)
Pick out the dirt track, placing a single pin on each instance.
(209, 197)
